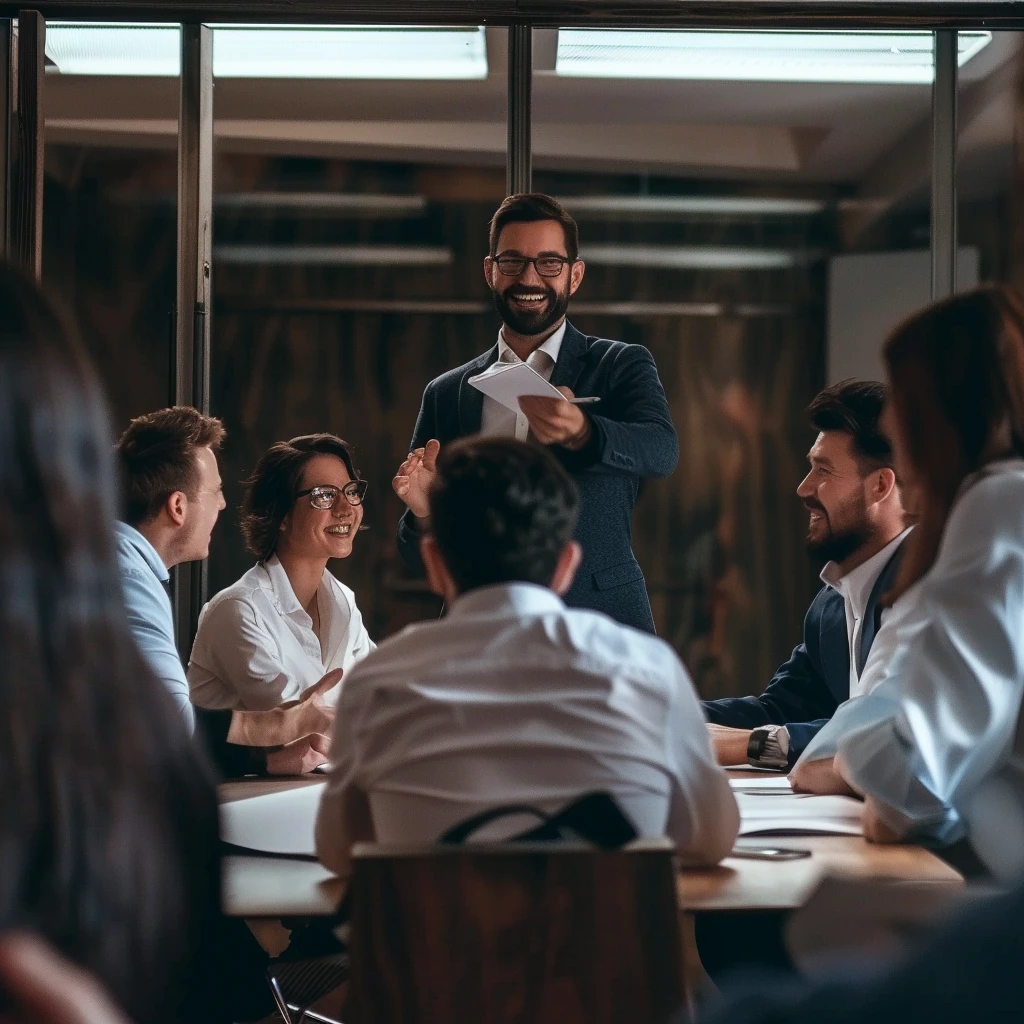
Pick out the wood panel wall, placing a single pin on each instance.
(720, 541)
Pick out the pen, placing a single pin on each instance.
(584, 401)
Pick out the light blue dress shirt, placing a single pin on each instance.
(143, 575)
(939, 742)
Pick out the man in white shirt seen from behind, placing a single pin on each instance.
(513, 698)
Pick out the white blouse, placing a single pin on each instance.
(255, 647)
(936, 741)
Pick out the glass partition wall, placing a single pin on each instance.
(741, 197)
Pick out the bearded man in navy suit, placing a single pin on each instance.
(608, 446)
(856, 525)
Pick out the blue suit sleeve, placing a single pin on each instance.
(634, 432)
(796, 693)
(800, 734)
(408, 530)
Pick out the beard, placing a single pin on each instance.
(852, 532)
(532, 322)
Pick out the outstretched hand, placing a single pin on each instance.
(412, 481)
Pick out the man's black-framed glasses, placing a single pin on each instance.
(325, 496)
(546, 266)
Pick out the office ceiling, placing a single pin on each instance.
(873, 139)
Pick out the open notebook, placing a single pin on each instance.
(776, 810)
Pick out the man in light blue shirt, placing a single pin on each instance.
(144, 578)
(173, 496)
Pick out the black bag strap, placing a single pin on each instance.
(460, 832)
(594, 818)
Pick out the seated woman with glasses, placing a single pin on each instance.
(287, 624)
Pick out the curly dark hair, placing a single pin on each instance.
(270, 488)
(501, 511)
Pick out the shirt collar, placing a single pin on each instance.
(508, 599)
(284, 596)
(281, 587)
(144, 548)
(550, 346)
(857, 583)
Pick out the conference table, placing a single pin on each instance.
(257, 886)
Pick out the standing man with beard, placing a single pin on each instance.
(857, 526)
(608, 446)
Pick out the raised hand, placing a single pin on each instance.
(412, 481)
(555, 422)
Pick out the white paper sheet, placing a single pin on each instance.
(273, 822)
(762, 784)
(508, 382)
(772, 813)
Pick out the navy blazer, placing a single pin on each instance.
(632, 437)
(805, 692)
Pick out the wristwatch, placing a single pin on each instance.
(768, 747)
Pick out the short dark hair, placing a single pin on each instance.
(528, 208)
(270, 488)
(501, 511)
(855, 408)
(157, 455)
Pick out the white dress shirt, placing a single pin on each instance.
(513, 698)
(255, 647)
(855, 588)
(498, 421)
(938, 735)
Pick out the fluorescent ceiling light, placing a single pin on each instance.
(693, 257)
(711, 205)
(334, 255)
(851, 57)
(272, 51)
(350, 203)
(109, 49)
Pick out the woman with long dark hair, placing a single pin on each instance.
(936, 742)
(108, 827)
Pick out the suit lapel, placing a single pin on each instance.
(471, 401)
(569, 364)
(873, 612)
(834, 647)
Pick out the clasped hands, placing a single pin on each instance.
(551, 422)
(296, 735)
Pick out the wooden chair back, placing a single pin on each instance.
(515, 934)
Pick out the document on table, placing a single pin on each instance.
(282, 822)
(775, 812)
(762, 784)
(506, 383)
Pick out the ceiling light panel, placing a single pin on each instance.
(256, 51)
(112, 49)
(842, 57)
